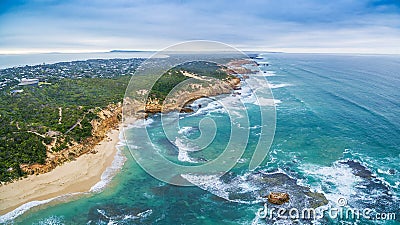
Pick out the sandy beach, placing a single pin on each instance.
(72, 177)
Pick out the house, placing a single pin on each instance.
(25, 82)
(16, 91)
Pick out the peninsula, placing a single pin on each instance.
(68, 122)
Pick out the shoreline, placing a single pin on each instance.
(78, 176)
(83, 175)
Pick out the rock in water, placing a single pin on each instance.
(186, 110)
(278, 198)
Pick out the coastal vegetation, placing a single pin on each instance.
(178, 74)
(58, 112)
(56, 115)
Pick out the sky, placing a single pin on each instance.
(325, 26)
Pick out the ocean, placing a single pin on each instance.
(337, 133)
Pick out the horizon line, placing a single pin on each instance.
(31, 52)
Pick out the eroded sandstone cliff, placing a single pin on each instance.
(108, 118)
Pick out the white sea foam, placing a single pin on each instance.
(267, 73)
(25, 207)
(183, 149)
(130, 217)
(52, 220)
(397, 184)
(200, 101)
(255, 127)
(22, 209)
(387, 172)
(108, 174)
(278, 171)
(258, 85)
(185, 130)
(274, 86)
(142, 123)
(115, 219)
(261, 101)
(379, 170)
(116, 165)
(210, 183)
(267, 101)
(337, 181)
(102, 212)
(214, 185)
(277, 102)
(208, 106)
(183, 156)
(242, 160)
(145, 214)
(230, 102)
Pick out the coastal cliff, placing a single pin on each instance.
(108, 119)
(178, 100)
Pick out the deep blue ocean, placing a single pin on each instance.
(337, 133)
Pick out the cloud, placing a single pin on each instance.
(302, 25)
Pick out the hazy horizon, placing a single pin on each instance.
(303, 26)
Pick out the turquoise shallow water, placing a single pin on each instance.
(338, 132)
